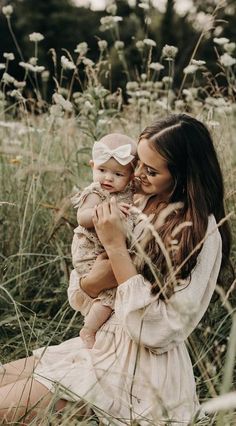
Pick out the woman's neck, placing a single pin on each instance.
(153, 203)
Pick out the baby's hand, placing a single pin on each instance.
(124, 209)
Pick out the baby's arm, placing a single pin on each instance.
(85, 213)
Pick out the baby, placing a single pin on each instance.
(113, 162)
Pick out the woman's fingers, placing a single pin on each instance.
(105, 211)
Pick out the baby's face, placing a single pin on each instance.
(112, 176)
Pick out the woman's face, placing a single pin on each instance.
(152, 171)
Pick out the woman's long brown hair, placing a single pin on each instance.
(187, 146)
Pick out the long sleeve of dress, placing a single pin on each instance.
(78, 299)
(160, 325)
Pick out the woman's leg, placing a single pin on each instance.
(16, 370)
(22, 397)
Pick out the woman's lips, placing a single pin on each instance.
(144, 183)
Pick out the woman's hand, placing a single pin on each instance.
(109, 226)
(99, 278)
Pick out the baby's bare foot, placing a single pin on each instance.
(88, 337)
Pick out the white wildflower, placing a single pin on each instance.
(220, 40)
(45, 75)
(143, 76)
(218, 30)
(66, 64)
(112, 9)
(36, 37)
(108, 22)
(33, 60)
(88, 105)
(56, 110)
(7, 11)
(9, 56)
(132, 86)
(26, 66)
(162, 104)
(190, 69)
(29, 67)
(81, 48)
(149, 42)
(188, 93)
(144, 6)
(16, 94)
(38, 68)
(117, 18)
(156, 66)
(198, 63)
(102, 44)
(19, 84)
(142, 102)
(88, 62)
(169, 52)
(203, 21)
(119, 45)
(167, 80)
(158, 85)
(2, 66)
(230, 47)
(65, 104)
(179, 104)
(140, 45)
(7, 78)
(226, 60)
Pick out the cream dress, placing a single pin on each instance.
(139, 368)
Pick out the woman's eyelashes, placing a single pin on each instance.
(151, 172)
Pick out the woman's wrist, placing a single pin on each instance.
(122, 264)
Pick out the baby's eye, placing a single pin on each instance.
(151, 172)
(119, 174)
(101, 170)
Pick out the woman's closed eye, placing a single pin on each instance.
(151, 172)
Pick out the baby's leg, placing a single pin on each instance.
(97, 315)
(16, 370)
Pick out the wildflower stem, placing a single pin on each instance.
(14, 39)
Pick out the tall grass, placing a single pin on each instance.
(44, 156)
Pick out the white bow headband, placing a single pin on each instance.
(101, 153)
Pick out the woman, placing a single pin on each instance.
(139, 368)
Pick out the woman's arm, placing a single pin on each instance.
(100, 277)
(111, 232)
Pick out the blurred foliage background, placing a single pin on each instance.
(64, 24)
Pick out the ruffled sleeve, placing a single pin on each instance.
(78, 299)
(160, 325)
(79, 198)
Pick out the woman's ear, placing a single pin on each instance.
(91, 163)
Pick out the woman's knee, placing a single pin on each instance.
(16, 370)
(26, 398)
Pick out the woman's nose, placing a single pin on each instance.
(139, 170)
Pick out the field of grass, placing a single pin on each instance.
(44, 154)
